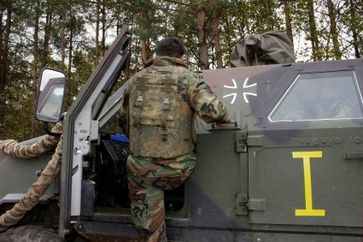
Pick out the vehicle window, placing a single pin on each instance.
(320, 96)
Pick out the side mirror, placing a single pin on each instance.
(50, 98)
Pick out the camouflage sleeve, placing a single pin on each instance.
(205, 102)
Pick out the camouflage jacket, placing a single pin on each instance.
(160, 105)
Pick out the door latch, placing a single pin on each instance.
(241, 202)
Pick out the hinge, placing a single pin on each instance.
(241, 142)
(243, 204)
(256, 140)
(241, 201)
(256, 204)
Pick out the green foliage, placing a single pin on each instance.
(17, 121)
(72, 33)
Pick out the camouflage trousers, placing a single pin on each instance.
(148, 178)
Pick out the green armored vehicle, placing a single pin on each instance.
(288, 169)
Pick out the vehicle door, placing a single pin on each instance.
(305, 149)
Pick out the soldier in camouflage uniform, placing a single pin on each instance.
(160, 105)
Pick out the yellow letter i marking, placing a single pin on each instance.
(306, 156)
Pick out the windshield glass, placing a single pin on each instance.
(320, 96)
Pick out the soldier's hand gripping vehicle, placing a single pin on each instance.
(288, 169)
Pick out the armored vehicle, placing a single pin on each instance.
(288, 169)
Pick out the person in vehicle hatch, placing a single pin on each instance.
(160, 105)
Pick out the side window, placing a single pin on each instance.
(320, 96)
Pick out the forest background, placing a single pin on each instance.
(73, 35)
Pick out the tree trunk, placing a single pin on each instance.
(63, 39)
(103, 27)
(70, 57)
(4, 55)
(118, 20)
(217, 43)
(353, 27)
(70, 52)
(97, 31)
(71, 88)
(5, 48)
(145, 50)
(202, 39)
(268, 5)
(144, 42)
(47, 34)
(2, 81)
(313, 32)
(35, 65)
(333, 29)
(288, 21)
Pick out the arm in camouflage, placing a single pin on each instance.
(205, 102)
